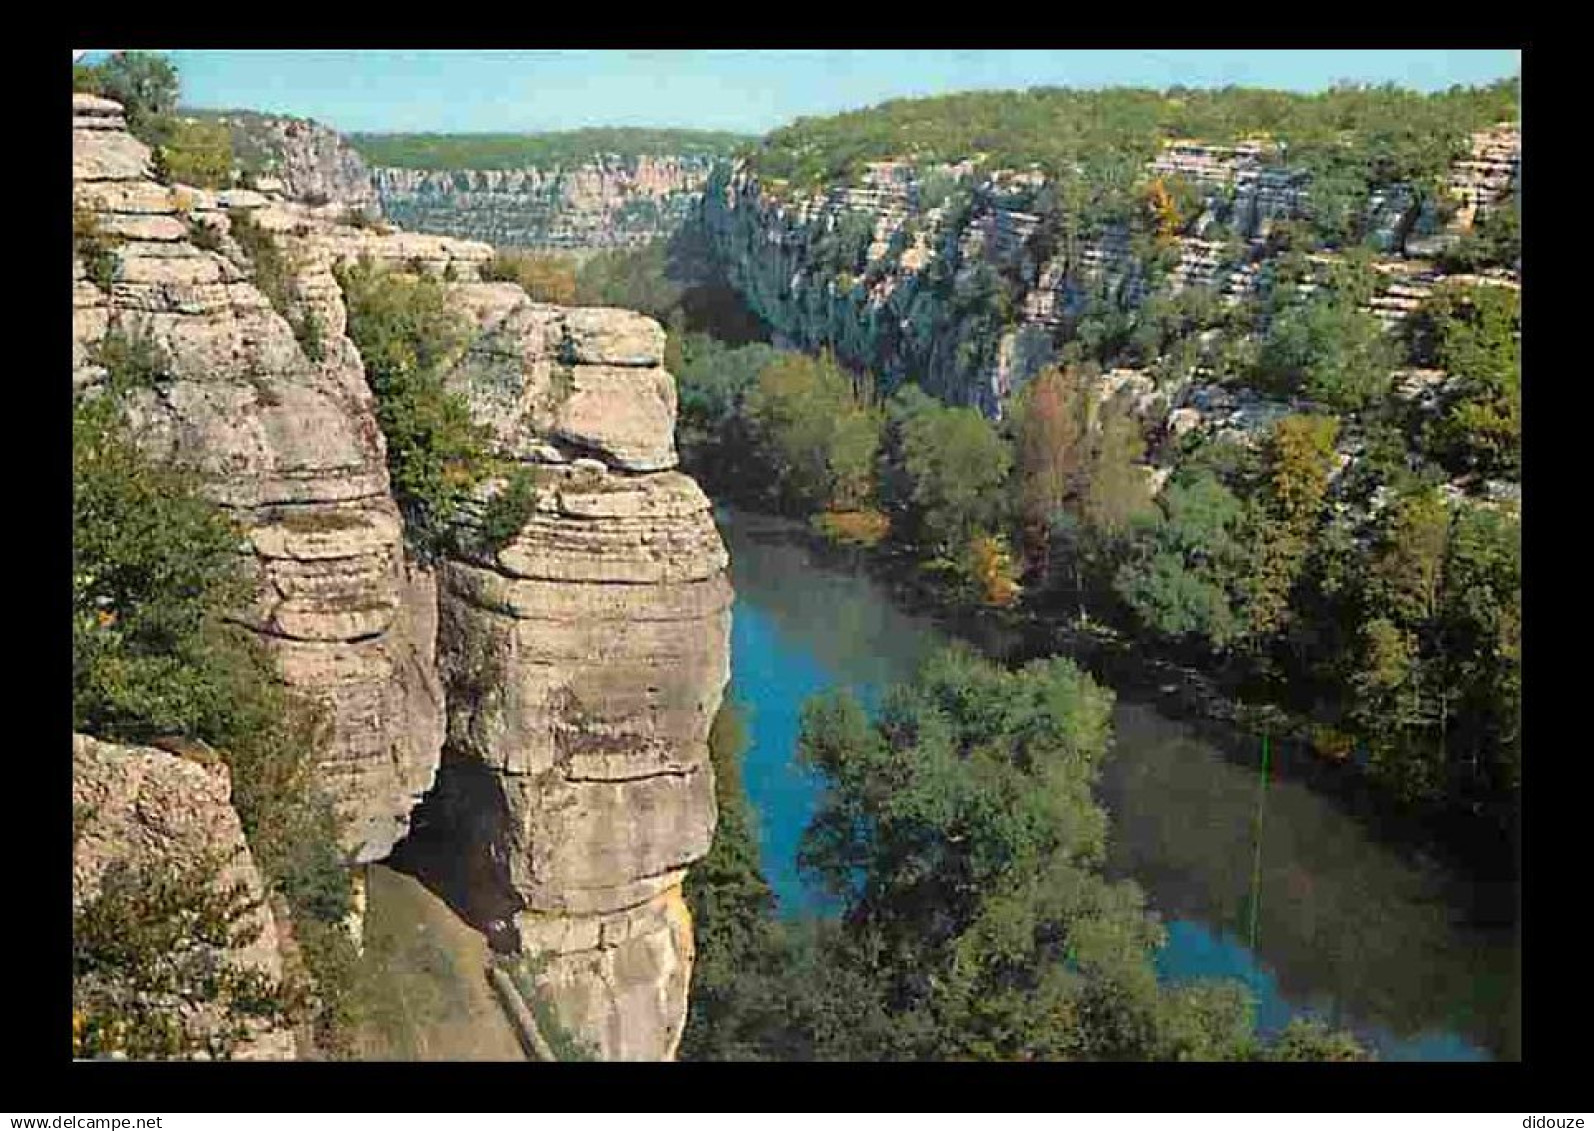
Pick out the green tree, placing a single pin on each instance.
(1298, 459)
(407, 332)
(1185, 571)
(1050, 420)
(1328, 350)
(157, 570)
(196, 153)
(815, 434)
(1437, 680)
(546, 278)
(154, 966)
(962, 834)
(955, 465)
(739, 946)
(1474, 334)
(146, 85)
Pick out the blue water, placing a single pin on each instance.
(1195, 950)
(1347, 929)
(769, 681)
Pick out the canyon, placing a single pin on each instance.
(551, 699)
(605, 202)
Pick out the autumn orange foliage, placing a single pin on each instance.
(991, 566)
(854, 528)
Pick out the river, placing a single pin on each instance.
(1384, 941)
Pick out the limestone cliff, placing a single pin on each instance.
(299, 157)
(575, 672)
(290, 445)
(963, 279)
(141, 807)
(584, 664)
(604, 202)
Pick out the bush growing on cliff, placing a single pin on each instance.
(1330, 351)
(1474, 333)
(94, 247)
(546, 278)
(132, 358)
(150, 949)
(157, 571)
(276, 275)
(196, 153)
(406, 331)
(507, 512)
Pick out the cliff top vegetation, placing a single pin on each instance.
(1395, 134)
(538, 150)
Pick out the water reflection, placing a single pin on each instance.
(1345, 927)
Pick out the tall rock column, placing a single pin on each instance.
(584, 663)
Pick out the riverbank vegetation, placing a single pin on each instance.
(962, 836)
(1378, 606)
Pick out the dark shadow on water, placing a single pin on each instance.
(1352, 922)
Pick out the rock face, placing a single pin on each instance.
(575, 671)
(955, 277)
(306, 160)
(584, 664)
(606, 202)
(291, 446)
(150, 809)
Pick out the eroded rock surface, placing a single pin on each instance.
(144, 808)
(604, 202)
(286, 441)
(584, 662)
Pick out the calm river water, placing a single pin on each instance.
(1347, 928)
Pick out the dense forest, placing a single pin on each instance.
(563, 149)
(1393, 630)
(1380, 135)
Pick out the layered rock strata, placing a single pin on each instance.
(301, 158)
(584, 662)
(606, 202)
(288, 443)
(967, 287)
(144, 808)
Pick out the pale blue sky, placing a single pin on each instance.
(747, 91)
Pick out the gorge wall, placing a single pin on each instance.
(605, 202)
(299, 157)
(558, 692)
(963, 279)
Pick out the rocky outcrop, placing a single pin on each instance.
(300, 158)
(584, 662)
(147, 809)
(968, 288)
(1488, 173)
(606, 202)
(290, 445)
(575, 671)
